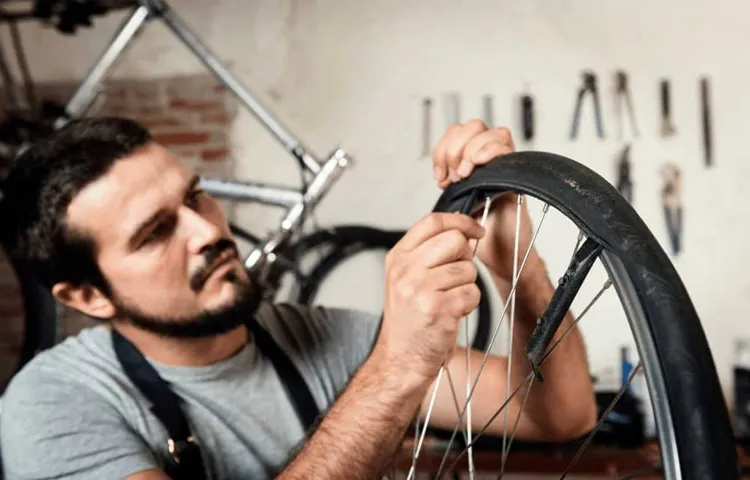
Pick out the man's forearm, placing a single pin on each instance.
(362, 430)
(565, 399)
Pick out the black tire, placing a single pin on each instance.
(36, 326)
(349, 240)
(703, 438)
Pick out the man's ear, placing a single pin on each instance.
(84, 298)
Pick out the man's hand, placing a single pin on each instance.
(466, 145)
(459, 151)
(430, 288)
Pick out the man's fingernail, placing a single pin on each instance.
(464, 169)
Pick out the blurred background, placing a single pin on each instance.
(357, 75)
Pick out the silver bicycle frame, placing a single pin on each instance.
(296, 202)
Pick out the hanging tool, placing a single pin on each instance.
(589, 85)
(624, 182)
(487, 111)
(452, 109)
(667, 127)
(706, 118)
(527, 117)
(622, 96)
(426, 124)
(671, 195)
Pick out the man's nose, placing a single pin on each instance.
(201, 232)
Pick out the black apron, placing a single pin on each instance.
(184, 448)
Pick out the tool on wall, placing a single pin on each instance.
(588, 85)
(622, 98)
(452, 109)
(527, 117)
(624, 182)
(426, 126)
(671, 196)
(487, 112)
(667, 127)
(706, 118)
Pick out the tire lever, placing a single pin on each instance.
(567, 289)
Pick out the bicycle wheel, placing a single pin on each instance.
(348, 241)
(692, 421)
(29, 319)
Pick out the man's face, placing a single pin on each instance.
(163, 245)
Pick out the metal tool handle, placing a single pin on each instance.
(487, 111)
(426, 126)
(665, 103)
(527, 117)
(706, 117)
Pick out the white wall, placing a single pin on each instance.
(353, 73)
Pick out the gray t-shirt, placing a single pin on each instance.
(73, 413)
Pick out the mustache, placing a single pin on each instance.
(211, 255)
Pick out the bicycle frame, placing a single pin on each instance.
(296, 202)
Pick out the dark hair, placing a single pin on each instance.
(40, 186)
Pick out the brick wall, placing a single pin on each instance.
(191, 115)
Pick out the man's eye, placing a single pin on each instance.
(161, 230)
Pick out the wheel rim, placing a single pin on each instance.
(570, 181)
(647, 351)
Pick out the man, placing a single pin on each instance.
(119, 229)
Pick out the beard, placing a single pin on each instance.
(207, 323)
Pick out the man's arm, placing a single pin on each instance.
(429, 289)
(359, 435)
(560, 408)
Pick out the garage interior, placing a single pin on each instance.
(647, 95)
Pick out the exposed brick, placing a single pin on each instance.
(215, 118)
(151, 93)
(186, 104)
(161, 121)
(213, 154)
(145, 110)
(182, 138)
(115, 91)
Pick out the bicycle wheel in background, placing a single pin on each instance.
(692, 425)
(352, 252)
(29, 320)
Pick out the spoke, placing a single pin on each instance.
(601, 419)
(412, 470)
(487, 203)
(416, 431)
(512, 321)
(515, 428)
(455, 399)
(494, 335)
(528, 379)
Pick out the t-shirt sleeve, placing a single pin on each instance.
(353, 332)
(53, 428)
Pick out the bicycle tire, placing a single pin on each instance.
(680, 370)
(39, 317)
(350, 240)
